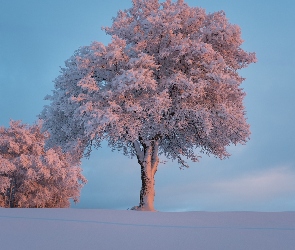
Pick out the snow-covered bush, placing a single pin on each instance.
(32, 176)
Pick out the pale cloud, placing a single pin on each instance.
(270, 189)
(265, 184)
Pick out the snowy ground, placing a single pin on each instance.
(23, 229)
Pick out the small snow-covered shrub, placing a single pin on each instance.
(32, 176)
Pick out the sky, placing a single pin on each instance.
(36, 37)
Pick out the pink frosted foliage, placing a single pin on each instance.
(168, 80)
(32, 176)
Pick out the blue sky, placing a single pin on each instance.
(36, 37)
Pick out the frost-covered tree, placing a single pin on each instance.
(167, 84)
(32, 176)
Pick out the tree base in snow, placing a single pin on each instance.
(143, 208)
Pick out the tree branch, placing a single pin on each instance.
(139, 152)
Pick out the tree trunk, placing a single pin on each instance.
(148, 160)
(10, 193)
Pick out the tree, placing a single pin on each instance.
(167, 84)
(32, 176)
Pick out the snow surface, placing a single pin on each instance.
(114, 229)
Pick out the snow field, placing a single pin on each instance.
(113, 229)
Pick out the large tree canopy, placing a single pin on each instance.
(166, 84)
